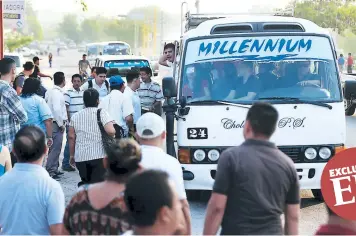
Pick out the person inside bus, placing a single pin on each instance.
(298, 74)
(266, 76)
(247, 85)
(197, 83)
(225, 74)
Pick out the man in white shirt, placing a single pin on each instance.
(56, 102)
(118, 105)
(133, 83)
(99, 83)
(151, 133)
(166, 62)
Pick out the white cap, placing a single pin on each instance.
(150, 125)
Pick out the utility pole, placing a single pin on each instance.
(197, 5)
(162, 31)
(1, 30)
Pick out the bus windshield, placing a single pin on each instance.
(121, 67)
(93, 50)
(275, 68)
(117, 49)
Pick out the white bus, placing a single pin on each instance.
(107, 48)
(311, 127)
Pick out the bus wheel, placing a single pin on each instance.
(193, 195)
(318, 195)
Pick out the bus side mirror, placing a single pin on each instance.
(169, 87)
(350, 89)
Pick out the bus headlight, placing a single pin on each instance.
(325, 153)
(310, 153)
(199, 155)
(213, 155)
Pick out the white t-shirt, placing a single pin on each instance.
(155, 158)
(118, 106)
(136, 102)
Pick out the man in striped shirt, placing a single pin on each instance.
(150, 93)
(74, 103)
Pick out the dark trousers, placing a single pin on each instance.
(91, 172)
(349, 69)
(13, 159)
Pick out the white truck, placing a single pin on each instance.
(303, 84)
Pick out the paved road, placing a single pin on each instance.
(312, 214)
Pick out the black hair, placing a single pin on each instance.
(29, 144)
(341, 55)
(123, 156)
(146, 193)
(131, 76)
(117, 87)
(6, 64)
(77, 76)
(101, 70)
(58, 78)
(93, 68)
(169, 45)
(147, 70)
(91, 97)
(30, 87)
(28, 66)
(263, 118)
(35, 59)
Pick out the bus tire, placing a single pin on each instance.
(350, 111)
(318, 194)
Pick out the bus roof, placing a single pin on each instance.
(121, 57)
(205, 28)
(106, 43)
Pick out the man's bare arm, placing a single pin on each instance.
(163, 61)
(291, 219)
(56, 229)
(186, 214)
(214, 213)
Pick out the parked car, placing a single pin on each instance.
(26, 52)
(18, 58)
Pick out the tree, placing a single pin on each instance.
(337, 14)
(16, 40)
(33, 24)
(70, 28)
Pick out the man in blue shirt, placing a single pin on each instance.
(31, 202)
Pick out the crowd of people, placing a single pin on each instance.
(129, 185)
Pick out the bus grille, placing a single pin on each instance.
(293, 152)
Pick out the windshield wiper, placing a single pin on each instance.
(297, 100)
(215, 102)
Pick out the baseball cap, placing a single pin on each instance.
(150, 125)
(116, 81)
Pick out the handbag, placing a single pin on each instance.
(106, 139)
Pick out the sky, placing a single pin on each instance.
(116, 7)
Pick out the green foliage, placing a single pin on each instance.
(69, 28)
(16, 40)
(337, 14)
(33, 24)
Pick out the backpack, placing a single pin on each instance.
(14, 85)
(90, 83)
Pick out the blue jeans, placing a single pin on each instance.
(65, 162)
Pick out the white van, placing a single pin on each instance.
(311, 127)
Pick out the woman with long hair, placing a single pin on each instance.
(99, 209)
(38, 112)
